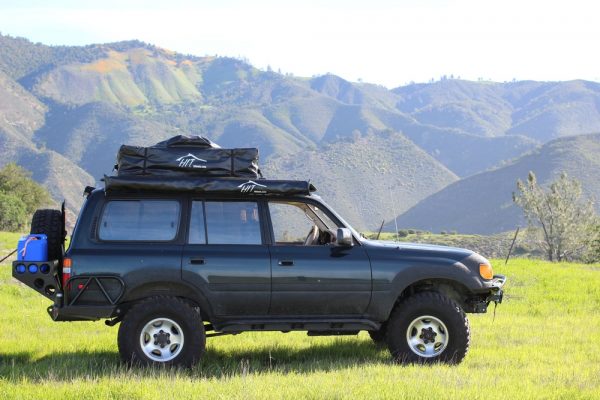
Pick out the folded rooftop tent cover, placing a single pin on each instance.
(222, 186)
(187, 156)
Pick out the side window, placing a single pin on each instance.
(197, 227)
(139, 220)
(291, 224)
(232, 222)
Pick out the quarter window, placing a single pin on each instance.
(197, 227)
(139, 220)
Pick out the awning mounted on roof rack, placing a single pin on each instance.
(224, 186)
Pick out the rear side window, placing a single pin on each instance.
(233, 222)
(139, 220)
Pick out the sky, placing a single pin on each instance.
(386, 42)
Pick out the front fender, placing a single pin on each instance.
(392, 277)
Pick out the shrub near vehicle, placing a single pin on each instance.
(187, 239)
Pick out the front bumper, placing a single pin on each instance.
(495, 294)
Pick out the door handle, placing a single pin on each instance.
(197, 261)
(286, 263)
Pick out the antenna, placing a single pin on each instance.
(395, 214)
(380, 228)
(511, 245)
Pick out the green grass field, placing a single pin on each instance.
(543, 343)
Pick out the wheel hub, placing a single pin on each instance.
(428, 335)
(162, 338)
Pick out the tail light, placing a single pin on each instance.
(66, 272)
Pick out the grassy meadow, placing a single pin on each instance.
(544, 342)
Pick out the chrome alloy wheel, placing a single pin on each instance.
(161, 339)
(427, 336)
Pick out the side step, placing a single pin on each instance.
(331, 333)
(318, 327)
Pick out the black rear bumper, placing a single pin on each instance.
(41, 276)
(96, 296)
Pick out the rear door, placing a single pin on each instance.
(226, 259)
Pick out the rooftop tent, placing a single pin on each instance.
(187, 156)
(227, 186)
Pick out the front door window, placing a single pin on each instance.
(301, 224)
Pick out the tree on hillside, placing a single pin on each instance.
(593, 253)
(20, 196)
(560, 220)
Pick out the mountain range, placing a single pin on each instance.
(419, 151)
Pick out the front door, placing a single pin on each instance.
(225, 257)
(310, 275)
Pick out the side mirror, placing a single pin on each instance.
(344, 238)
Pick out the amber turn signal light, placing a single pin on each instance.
(485, 270)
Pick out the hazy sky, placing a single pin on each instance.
(385, 42)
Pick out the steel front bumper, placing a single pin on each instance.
(496, 289)
(494, 293)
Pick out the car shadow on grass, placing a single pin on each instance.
(14, 367)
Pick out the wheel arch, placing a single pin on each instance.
(173, 289)
(451, 288)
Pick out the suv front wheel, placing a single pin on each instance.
(162, 331)
(428, 327)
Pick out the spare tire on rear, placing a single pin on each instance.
(50, 223)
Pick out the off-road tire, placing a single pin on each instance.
(49, 223)
(378, 337)
(428, 304)
(152, 308)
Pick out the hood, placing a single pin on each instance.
(423, 249)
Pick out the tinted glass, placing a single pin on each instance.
(323, 217)
(197, 228)
(291, 225)
(232, 222)
(139, 220)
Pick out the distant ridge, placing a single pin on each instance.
(483, 203)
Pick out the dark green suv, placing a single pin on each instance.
(175, 263)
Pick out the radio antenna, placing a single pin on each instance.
(395, 214)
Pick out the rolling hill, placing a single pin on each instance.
(368, 179)
(483, 203)
(64, 110)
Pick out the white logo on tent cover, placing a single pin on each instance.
(189, 160)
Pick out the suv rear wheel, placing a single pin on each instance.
(162, 331)
(428, 327)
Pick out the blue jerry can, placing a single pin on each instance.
(33, 247)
